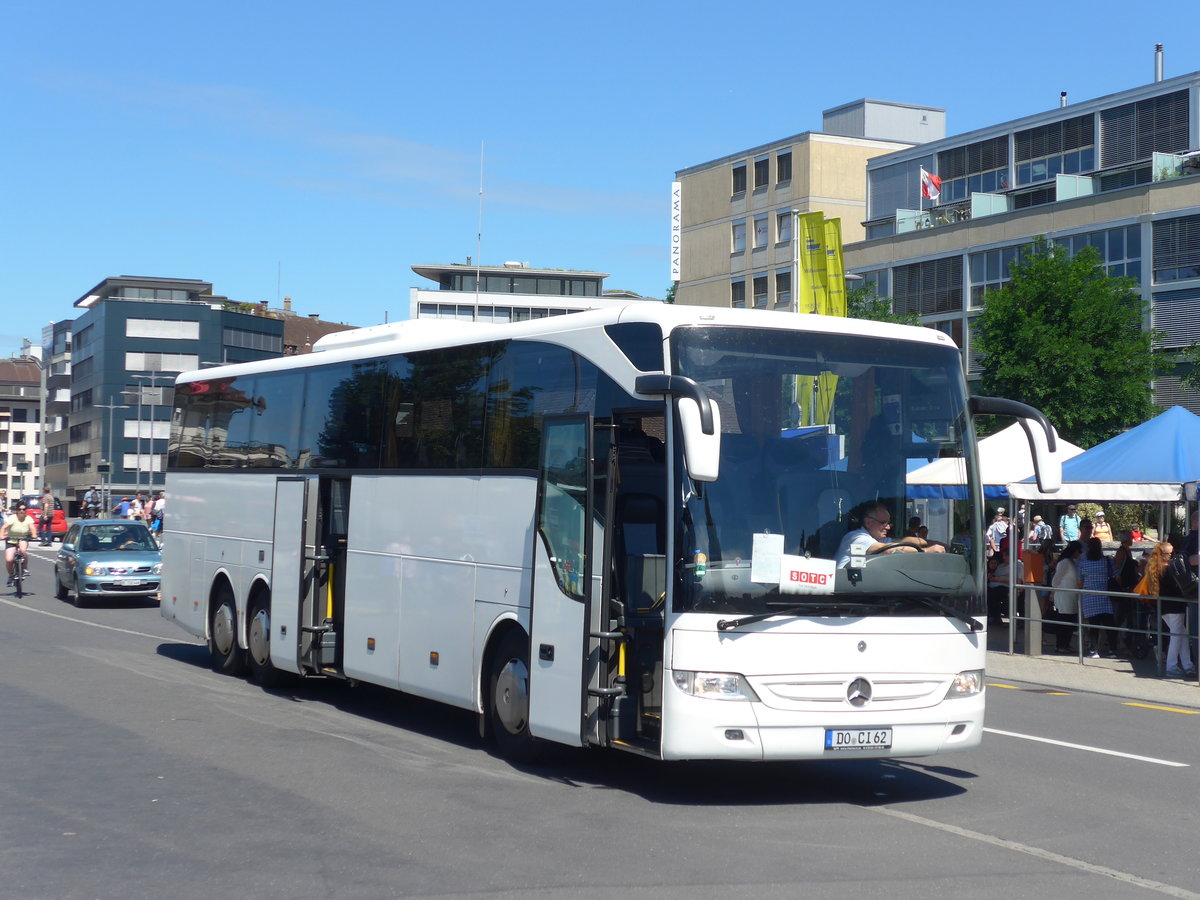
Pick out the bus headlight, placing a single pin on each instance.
(966, 684)
(714, 685)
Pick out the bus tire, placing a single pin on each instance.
(508, 699)
(258, 643)
(227, 657)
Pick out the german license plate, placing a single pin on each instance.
(858, 738)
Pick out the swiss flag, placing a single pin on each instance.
(931, 185)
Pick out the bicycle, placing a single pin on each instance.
(20, 571)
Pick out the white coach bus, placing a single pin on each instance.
(617, 528)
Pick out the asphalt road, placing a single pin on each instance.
(132, 770)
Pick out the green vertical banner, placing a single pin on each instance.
(835, 269)
(811, 293)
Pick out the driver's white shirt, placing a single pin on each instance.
(859, 537)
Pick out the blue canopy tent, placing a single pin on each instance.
(1150, 463)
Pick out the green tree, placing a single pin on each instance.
(1190, 374)
(670, 297)
(863, 303)
(1066, 338)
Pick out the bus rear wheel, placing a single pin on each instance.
(258, 643)
(227, 657)
(508, 699)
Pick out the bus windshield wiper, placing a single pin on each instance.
(793, 610)
(944, 608)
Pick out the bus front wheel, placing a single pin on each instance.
(227, 657)
(508, 699)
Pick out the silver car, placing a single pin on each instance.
(105, 558)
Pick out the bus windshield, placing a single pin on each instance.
(818, 430)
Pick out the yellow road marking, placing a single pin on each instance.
(1182, 712)
(1007, 687)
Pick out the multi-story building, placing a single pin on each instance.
(20, 427)
(737, 244)
(134, 335)
(56, 352)
(528, 293)
(1118, 173)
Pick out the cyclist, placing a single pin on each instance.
(16, 534)
(91, 503)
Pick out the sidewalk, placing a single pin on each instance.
(1133, 679)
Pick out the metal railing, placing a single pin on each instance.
(1153, 636)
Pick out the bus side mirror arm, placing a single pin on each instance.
(679, 386)
(1043, 442)
(699, 422)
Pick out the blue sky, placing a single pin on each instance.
(319, 150)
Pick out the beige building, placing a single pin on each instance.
(737, 212)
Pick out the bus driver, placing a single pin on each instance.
(873, 538)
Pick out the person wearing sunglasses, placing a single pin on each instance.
(874, 537)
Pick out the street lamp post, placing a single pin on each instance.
(110, 406)
(153, 378)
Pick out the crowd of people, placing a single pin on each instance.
(1079, 579)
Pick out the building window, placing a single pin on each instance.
(1120, 249)
(1176, 249)
(926, 288)
(990, 272)
(877, 281)
(762, 232)
(80, 432)
(981, 167)
(162, 329)
(739, 179)
(737, 294)
(1066, 147)
(762, 172)
(1134, 131)
(760, 291)
(783, 290)
(252, 340)
(739, 236)
(82, 400)
(161, 362)
(783, 168)
(783, 226)
(79, 464)
(1177, 318)
(147, 462)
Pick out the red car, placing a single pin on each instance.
(58, 520)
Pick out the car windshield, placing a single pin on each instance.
(814, 427)
(115, 538)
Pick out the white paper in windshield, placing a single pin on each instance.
(806, 575)
(764, 560)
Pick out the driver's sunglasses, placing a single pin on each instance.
(886, 523)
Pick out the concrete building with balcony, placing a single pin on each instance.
(737, 213)
(1120, 173)
(513, 292)
(20, 427)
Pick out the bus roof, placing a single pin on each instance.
(427, 334)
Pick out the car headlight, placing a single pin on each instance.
(966, 684)
(714, 685)
(95, 569)
(157, 570)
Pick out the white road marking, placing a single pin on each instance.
(53, 615)
(1169, 890)
(1070, 746)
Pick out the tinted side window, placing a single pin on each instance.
(641, 342)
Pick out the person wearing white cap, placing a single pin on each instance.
(1101, 528)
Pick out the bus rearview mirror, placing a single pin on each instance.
(701, 452)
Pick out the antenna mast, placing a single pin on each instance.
(479, 233)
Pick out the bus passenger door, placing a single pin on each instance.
(562, 570)
(288, 569)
